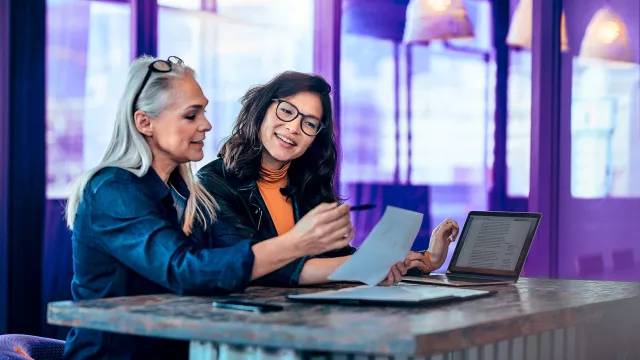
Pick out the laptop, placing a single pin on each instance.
(492, 249)
(397, 295)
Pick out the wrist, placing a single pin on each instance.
(437, 262)
(289, 243)
(317, 271)
(432, 261)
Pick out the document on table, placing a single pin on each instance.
(399, 293)
(388, 243)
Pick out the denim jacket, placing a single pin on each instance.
(128, 240)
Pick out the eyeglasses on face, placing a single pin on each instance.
(288, 112)
(161, 66)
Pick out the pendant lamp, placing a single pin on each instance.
(429, 20)
(521, 27)
(606, 38)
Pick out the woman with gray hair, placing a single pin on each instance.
(142, 225)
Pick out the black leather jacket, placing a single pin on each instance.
(242, 206)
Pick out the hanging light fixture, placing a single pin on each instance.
(521, 27)
(606, 38)
(429, 20)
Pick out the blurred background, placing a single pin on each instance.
(442, 106)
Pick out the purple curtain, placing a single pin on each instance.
(4, 166)
(326, 57)
(545, 140)
(144, 27)
(57, 260)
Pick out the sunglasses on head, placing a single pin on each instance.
(161, 66)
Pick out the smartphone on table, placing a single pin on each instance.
(246, 305)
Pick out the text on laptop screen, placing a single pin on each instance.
(494, 242)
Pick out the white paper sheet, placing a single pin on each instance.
(388, 243)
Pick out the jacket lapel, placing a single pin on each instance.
(258, 212)
(262, 221)
(296, 209)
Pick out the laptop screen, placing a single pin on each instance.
(494, 243)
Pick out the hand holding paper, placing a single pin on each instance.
(388, 243)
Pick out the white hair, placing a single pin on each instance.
(129, 150)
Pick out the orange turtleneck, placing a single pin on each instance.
(280, 209)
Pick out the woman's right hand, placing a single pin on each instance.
(327, 227)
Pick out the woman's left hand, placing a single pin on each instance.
(413, 260)
(443, 235)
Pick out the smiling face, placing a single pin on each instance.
(286, 141)
(176, 135)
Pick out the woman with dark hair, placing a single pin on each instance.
(280, 163)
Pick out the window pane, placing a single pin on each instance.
(229, 56)
(605, 131)
(87, 61)
(368, 133)
(452, 107)
(449, 144)
(519, 124)
(290, 14)
(451, 130)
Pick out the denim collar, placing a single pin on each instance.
(159, 190)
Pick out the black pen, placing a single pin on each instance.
(363, 207)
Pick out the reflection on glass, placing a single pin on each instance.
(605, 131)
(87, 61)
(182, 4)
(231, 54)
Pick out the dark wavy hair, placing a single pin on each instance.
(312, 175)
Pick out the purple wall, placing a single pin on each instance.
(578, 238)
(592, 232)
